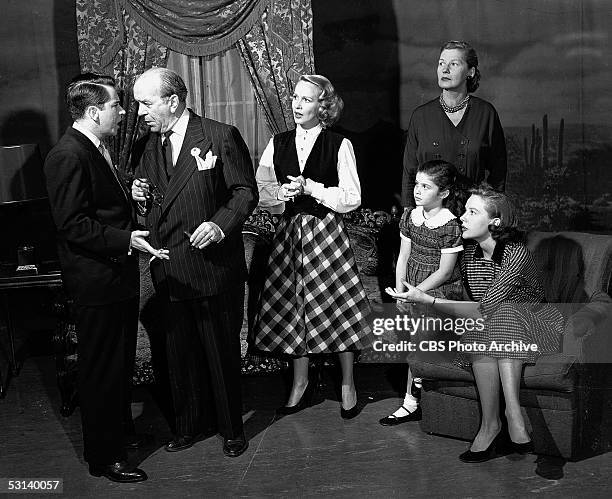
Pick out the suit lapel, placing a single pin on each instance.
(185, 163)
(100, 164)
(117, 181)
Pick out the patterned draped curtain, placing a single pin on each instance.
(196, 27)
(126, 37)
(111, 42)
(276, 51)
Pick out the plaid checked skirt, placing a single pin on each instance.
(312, 300)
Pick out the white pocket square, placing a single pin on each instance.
(208, 163)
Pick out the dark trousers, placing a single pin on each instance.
(106, 351)
(203, 346)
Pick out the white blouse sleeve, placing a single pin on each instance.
(347, 196)
(266, 178)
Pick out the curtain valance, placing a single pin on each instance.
(273, 37)
(196, 27)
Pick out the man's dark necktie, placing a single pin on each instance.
(167, 153)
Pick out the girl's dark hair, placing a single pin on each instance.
(446, 177)
(499, 205)
(471, 59)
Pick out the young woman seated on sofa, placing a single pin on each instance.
(501, 281)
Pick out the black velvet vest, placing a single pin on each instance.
(321, 166)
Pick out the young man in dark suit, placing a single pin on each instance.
(196, 180)
(97, 239)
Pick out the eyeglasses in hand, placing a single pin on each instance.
(154, 194)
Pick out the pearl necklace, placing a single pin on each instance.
(454, 109)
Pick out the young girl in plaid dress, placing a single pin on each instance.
(312, 301)
(430, 245)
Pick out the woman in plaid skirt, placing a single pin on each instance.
(509, 308)
(312, 301)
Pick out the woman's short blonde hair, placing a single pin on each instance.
(330, 103)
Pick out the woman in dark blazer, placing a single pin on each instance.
(456, 126)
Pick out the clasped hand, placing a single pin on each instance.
(411, 295)
(292, 189)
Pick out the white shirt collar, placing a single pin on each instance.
(438, 220)
(180, 127)
(96, 141)
(300, 131)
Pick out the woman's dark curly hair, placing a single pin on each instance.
(471, 60)
(330, 103)
(499, 205)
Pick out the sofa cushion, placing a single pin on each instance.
(551, 372)
(574, 264)
(529, 397)
(445, 371)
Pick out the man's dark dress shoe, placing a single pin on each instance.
(392, 420)
(137, 441)
(233, 447)
(182, 442)
(120, 471)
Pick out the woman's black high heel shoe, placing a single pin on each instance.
(352, 412)
(304, 402)
(483, 455)
(349, 413)
(524, 448)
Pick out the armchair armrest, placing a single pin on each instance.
(588, 332)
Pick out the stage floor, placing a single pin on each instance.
(312, 453)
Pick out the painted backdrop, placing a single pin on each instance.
(545, 66)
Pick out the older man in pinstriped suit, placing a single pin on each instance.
(195, 182)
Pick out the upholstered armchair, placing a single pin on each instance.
(566, 397)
